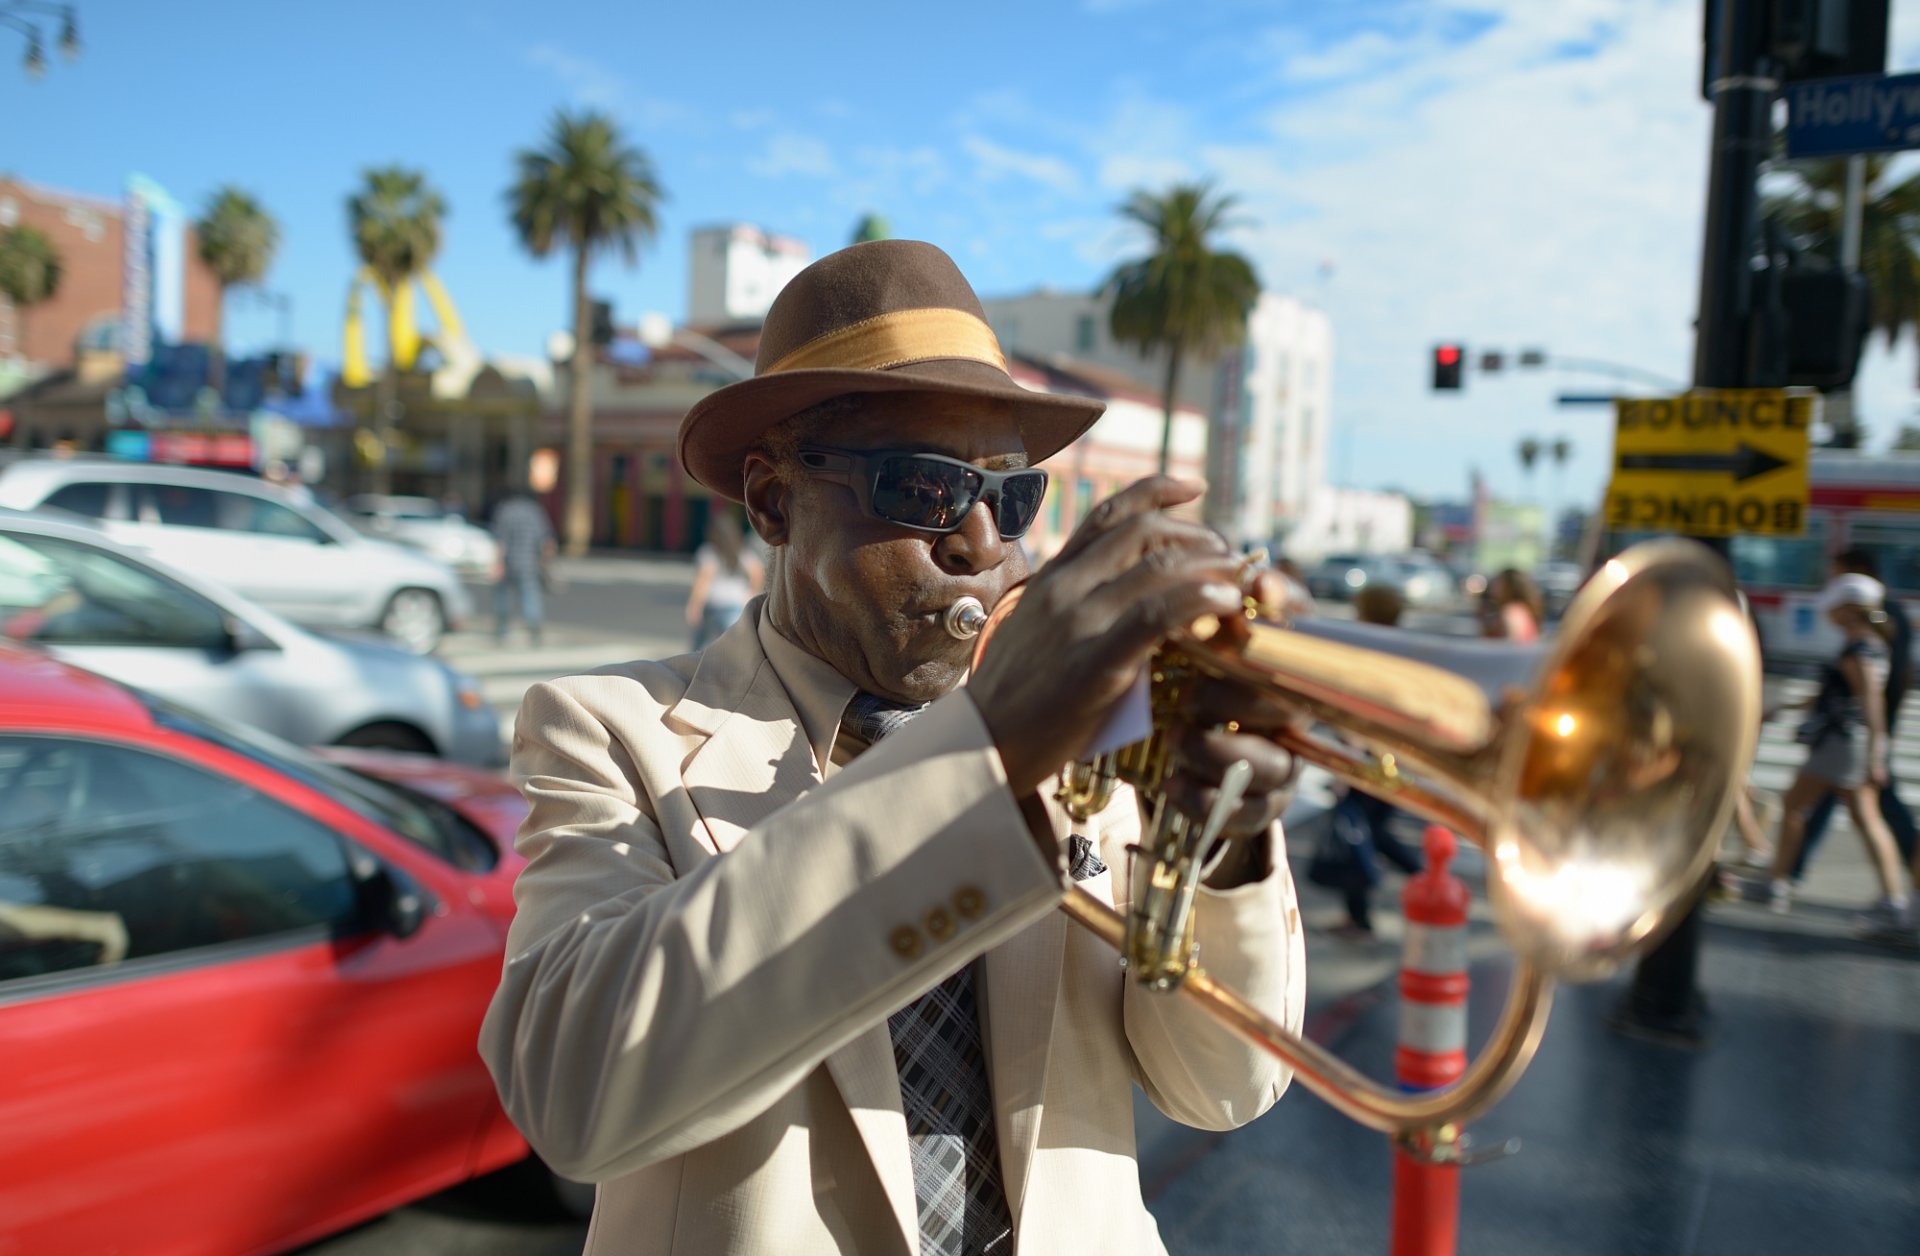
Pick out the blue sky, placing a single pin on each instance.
(1505, 172)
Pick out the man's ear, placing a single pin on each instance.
(769, 500)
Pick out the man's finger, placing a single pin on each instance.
(1156, 492)
(1149, 605)
(1204, 755)
(1150, 540)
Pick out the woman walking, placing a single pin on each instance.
(1846, 739)
(726, 576)
(1512, 607)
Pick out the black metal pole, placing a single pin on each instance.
(1743, 90)
(1664, 1000)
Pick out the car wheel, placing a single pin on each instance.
(388, 735)
(415, 618)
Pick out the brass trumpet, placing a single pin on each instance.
(1595, 773)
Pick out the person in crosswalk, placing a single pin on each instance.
(787, 972)
(1861, 560)
(1846, 739)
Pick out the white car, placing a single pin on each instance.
(427, 525)
(67, 589)
(271, 545)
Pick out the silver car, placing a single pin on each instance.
(68, 589)
(428, 526)
(272, 545)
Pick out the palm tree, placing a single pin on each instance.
(1812, 213)
(394, 220)
(1529, 451)
(30, 273)
(237, 242)
(590, 189)
(1186, 296)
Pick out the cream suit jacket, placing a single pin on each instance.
(709, 940)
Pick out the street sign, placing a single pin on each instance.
(1838, 117)
(1712, 462)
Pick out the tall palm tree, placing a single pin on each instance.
(1187, 295)
(30, 273)
(1813, 212)
(1529, 451)
(238, 238)
(589, 189)
(394, 220)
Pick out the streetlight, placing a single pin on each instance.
(35, 62)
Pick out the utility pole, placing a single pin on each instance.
(1664, 999)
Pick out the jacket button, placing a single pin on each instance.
(969, 902)
(939, 924)
(905, 941)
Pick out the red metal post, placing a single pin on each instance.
(1433, 1043)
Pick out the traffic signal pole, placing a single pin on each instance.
(1743, 90)
(1664, 997)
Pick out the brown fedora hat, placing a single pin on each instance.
(888, 316)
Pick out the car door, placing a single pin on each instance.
(180, 525)
(296, 567)
(213, 1047)
(111, 614)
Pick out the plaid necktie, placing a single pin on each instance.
(944, 1090)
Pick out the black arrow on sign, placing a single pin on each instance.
(1743, 463)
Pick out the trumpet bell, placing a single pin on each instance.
(1619, 771)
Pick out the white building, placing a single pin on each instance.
(1352, 521)
(1271, 398)
(735, 272)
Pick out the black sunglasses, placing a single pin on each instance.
(929, 492)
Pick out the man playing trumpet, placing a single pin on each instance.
(787, 973)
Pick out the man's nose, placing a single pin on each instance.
(975, 546)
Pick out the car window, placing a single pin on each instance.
(242, 513)
(426, 822)
(110, 854)
(60, 592)
(176, 505)
(88, 497)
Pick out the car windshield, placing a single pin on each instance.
(57, 591)
(426, 822)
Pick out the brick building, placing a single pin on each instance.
(87, 309)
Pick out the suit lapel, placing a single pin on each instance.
(1022, 992)
(755, 760)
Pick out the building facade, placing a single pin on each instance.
(735, 271)
(129, 268)
(1269, 399)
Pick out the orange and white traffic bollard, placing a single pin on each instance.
(1433, 1043)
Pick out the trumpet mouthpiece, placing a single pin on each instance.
(965, 618)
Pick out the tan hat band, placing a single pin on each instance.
(890, 340)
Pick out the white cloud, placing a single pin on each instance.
(1536, 182)
(592, 84)
(751, 119)
(788, 152)
(995, 161)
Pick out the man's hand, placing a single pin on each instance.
(1130, 575)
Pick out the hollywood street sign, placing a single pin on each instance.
(1838, 117)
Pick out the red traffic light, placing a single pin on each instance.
(1447, 355)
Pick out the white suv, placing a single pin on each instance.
(275, 546)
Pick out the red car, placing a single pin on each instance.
(240, 985)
